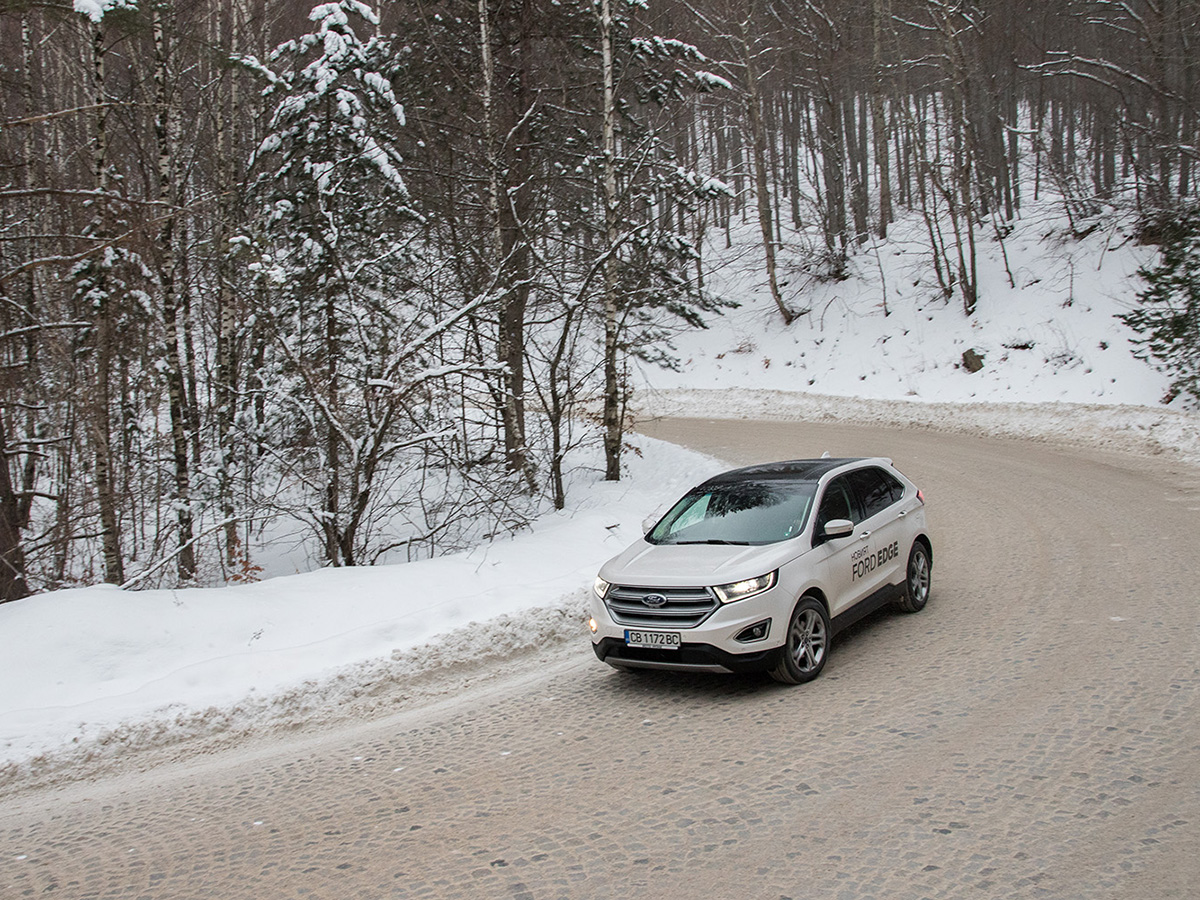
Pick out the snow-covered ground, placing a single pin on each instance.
(92, 673)
(1044, 322)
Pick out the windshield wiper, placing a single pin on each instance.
(716, 541)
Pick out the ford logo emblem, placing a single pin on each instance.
(654, 601)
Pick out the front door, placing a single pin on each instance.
(842, 555)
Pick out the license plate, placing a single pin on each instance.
(659, 640)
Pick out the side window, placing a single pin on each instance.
(876, 490)
(838, 503)
(894, 486)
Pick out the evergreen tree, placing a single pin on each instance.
(335, 248)
(1167, 318)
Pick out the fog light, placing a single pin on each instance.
(593, 625)
(756, 632)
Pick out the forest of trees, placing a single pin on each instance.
(378, 268)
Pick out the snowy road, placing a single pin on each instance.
(1034, 733)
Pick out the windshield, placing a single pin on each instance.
(744, 512)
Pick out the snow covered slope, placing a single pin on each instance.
(1044, 323)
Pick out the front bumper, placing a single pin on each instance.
(689, 658)
(711, 646)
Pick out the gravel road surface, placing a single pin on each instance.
(1035, 732)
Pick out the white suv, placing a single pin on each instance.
(756, 569)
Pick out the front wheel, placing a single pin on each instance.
(807, 643)
(917, 580)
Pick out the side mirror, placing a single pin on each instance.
(649, 522)
(836, 528)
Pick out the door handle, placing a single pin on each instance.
(864, 535)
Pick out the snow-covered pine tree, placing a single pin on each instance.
(335, 261)
(1167, 317)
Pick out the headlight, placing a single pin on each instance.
(600, 587)
(740, 590)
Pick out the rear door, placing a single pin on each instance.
(878, 495)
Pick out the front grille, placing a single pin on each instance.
(684, 607)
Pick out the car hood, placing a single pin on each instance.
(684, 565)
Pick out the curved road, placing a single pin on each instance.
(1035, 732)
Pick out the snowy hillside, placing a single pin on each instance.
(1044, 324)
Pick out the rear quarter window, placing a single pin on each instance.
(876, 489)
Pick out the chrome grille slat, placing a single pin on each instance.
(670, 613)
(684, 607)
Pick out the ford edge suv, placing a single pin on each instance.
(758, 568)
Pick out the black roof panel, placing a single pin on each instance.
(790, 470)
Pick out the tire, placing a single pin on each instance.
(807, 644)
(916, 580)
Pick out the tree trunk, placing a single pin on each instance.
(512, 205)
(22, 374)
(225, 375)
(101, 406)
(12, 556)
(881, 11)
(611, 417)
(830, 141)
(177, 399)
(758, 142)
(333, 483)
(857, 158)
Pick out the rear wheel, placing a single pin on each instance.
(917, 580)
(807, 643)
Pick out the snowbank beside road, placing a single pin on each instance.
(92, 672)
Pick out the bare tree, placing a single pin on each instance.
(166, 127)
